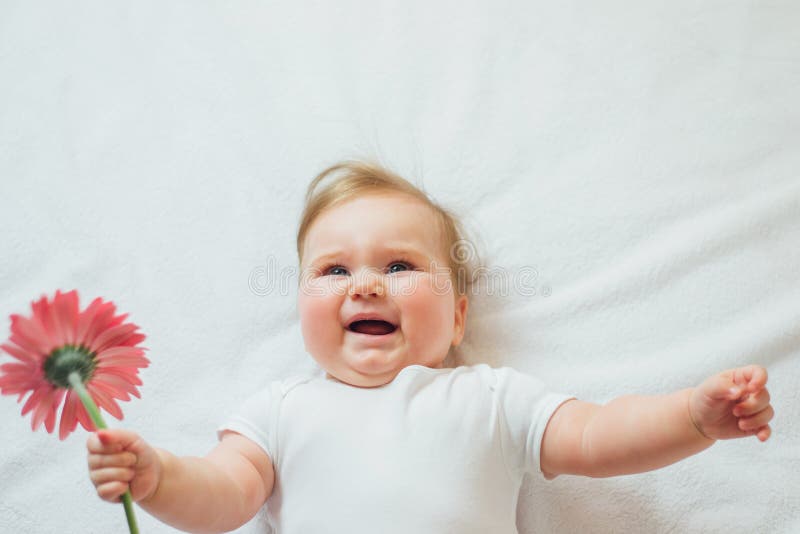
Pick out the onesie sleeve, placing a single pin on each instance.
(255, 418)
(526, 406)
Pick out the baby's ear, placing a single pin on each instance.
(460, 320)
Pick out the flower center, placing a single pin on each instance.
(65, 360)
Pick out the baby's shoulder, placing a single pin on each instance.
(486, 372)
(501, 378)
(284, 386)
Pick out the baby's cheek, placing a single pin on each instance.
(429, 312)
(319, 318)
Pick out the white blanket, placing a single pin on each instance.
(629, 170)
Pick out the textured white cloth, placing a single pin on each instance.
(434, 451)
(642, 156)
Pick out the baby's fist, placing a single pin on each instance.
(120, 460)
(733, 404)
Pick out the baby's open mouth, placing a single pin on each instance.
(372, 327)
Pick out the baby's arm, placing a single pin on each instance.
(633, 434)
(217, 493)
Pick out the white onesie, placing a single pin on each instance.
(433, 451)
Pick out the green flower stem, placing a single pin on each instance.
(94, 413)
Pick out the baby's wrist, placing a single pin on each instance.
(161, 458)
(695, 424)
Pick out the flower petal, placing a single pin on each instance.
(119, 350)
(129, 374)
(50, 421)
(104, 401)
(43, 408)
(134, 339)
(65, 314)
(111, 391)
(19, 387)
(18, 368)
(20, 353)
(83, 417)
(113, 336)
(36, 397)
(117, 385)
(85, 319)
(68, 419)
(30, 334)
(122, 356)
(52, 321)
(122, 362)
(41, 315)
(96, 322)
(19, 377)
(117, 320)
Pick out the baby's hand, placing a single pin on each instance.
(733, 404)
(120, 460)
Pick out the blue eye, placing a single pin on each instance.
(338, 270)
(404, 265)
(333, 270)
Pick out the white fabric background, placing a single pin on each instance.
(641, 157)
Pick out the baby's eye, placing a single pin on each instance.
(336, 270)
(403, 266)
(394, 267)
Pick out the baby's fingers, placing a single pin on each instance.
(752, 404)
(752, 378)
(764, 433)
(111, 491)
(120, 459)
(113, 440)
(756, 421)
(111, 474)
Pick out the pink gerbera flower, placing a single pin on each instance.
(57, 340)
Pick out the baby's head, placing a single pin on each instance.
(382, 286)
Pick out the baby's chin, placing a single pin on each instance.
(372, 370)
(364, 379)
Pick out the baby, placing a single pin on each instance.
(391, 439)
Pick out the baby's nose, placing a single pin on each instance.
(367, 282)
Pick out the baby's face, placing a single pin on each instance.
(377, 257)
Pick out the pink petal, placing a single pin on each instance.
(122, 362)
(17, 377)
(126, 373)
(104, 401)
(30, 334)
(20, 353)
(37, 395)
(97, 322)
(112, 337)
(119, 351)
(44, 408)
(83, 417)
(19, 387)
(18, 368)
(117, 320)
(85, 319)
(116, 383)
(111, 391)
(134, 339)
(52, 321)
(41, 315)
(50, 421)
(119, 356)
(68, 420)
(65, 315)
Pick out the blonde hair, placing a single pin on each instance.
(354, 178)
